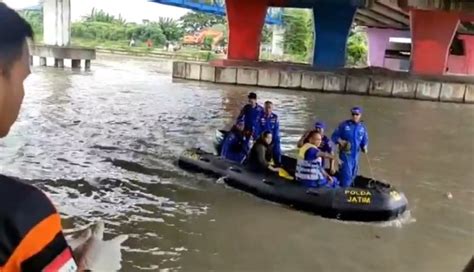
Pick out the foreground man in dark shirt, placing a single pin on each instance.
(31, 236)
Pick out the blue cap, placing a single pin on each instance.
(320, 125)
(357, 110)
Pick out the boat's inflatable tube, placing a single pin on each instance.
(367, 200)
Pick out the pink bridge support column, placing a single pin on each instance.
(379, 39)
(432, 34)
(469, 52)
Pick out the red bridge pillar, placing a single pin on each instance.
(246, 19)
(469, 52)
(432, 33)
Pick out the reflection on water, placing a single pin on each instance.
(104, 144)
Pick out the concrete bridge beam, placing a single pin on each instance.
(381, 19)
(455, 5)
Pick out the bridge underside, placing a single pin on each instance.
(430, 30)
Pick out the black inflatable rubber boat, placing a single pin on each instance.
(366, 200)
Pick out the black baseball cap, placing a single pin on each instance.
(252, 96)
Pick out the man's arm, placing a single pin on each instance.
(326, 155)
(227, 143)
(277, 147)
(242, 112)
(245, 145)
(364, 144)
(332, 164)
(37, 234)
(314, 153)
(336, 137)
(302, 139)
(260, 149)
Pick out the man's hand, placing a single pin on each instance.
(331, 180)
(344, 146)
(95, 254)
(341, 142)
(274, 169)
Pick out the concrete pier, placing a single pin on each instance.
(43, 61)
(59, 63)
(59, 54)
(400, 85)
(75, 63)
(57, 37)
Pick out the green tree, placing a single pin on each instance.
(207, 44)
(357, 48)
(101, 26)
(297, 31)
(35, 18)
(102, 16)
(195, 21)
(170, 28)
(267, 34)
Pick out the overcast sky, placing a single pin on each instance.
(131, 10)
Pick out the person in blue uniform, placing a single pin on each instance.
(268, 121)
(250, 113)
(309, 168)
(351, 137)
(236, 144)
(326, 144)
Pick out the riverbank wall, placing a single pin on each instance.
(457, 89)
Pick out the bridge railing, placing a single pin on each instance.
(217, 7)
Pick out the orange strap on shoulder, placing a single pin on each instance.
(33, 242)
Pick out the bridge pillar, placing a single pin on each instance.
(379, 40)
(246, 19)
(432, 33)
(468, 52)
(332, 25)
(57, 22)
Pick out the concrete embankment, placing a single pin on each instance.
(458, 89)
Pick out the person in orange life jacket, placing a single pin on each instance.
(236, 145)
(268, 121)
(250, 113)
(260, 156)
(351, 137)
(309, 169)
(31, 236)
(326, 145)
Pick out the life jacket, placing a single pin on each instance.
(308, 170)
(31, 237)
